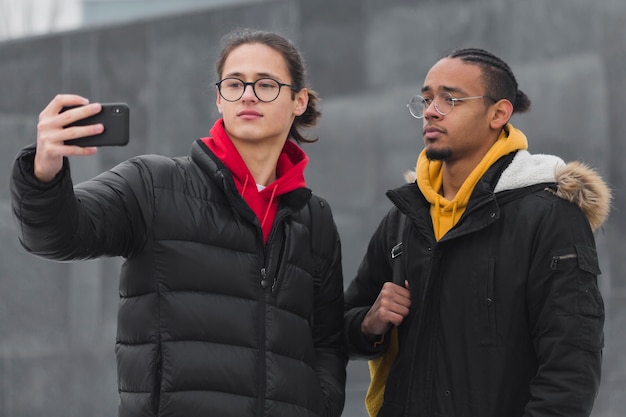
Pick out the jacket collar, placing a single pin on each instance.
(215, 169)
(519, 173)
(408, 197)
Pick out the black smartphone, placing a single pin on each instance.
(116, 120)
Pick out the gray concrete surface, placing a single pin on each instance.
(366, 58)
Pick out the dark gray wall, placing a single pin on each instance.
(366, 58)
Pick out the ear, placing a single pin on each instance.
(218, 102)
(301, 101)
(502, 112)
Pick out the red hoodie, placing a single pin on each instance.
(264, 203)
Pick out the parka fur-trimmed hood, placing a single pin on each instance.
(582, 185)
(575, 182)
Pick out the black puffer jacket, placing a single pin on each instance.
(506, 317)
(212, 322)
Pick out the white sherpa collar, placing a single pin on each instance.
(527, 169)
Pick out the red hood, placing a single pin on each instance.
(289, 171)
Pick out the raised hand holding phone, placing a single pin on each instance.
(57, 126)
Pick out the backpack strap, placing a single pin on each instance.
(379, 367)
(320, 224)
(398, 250)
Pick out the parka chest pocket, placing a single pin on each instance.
(483, 302)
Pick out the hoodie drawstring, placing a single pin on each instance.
(437, 216)
(441, 227)
(269, 206)
(267, 210)
(245, 184)
(455, 205)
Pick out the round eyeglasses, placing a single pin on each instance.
(265, 89)
(444, 103)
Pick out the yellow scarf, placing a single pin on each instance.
(445, 213)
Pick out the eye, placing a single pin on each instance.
(232, 83)
(426, 101)
(266, 84)
(448, 99)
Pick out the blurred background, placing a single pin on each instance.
(365, 58)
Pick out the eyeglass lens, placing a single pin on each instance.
(444, 103)
(265, 89)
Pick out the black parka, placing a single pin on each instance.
(506, 316)
(212, 322)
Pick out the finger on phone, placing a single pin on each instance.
(64, 100)
(71, 114)
(78, 131)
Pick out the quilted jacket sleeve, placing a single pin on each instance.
(374, 271)
(58, 221)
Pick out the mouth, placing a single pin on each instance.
(431, 133)
(249, 114)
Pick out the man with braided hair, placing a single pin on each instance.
(497, 308)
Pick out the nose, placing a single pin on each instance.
(248, 93)
(431, 111)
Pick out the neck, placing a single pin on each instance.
(261, 160)
(456, 171)
(454, 175)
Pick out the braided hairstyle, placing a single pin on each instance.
(295, 66)
(499, 80)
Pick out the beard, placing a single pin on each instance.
(438, 154)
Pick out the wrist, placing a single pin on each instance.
(367, 333)
(46, 173)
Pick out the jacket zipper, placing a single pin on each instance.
(420, 323)
(244, 212)
(278, 269)
(261, 362)
(264, 283)
(556, 259)
(277, 238)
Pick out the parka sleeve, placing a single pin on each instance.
(374, 271)
(100, 217)
(566, 315)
